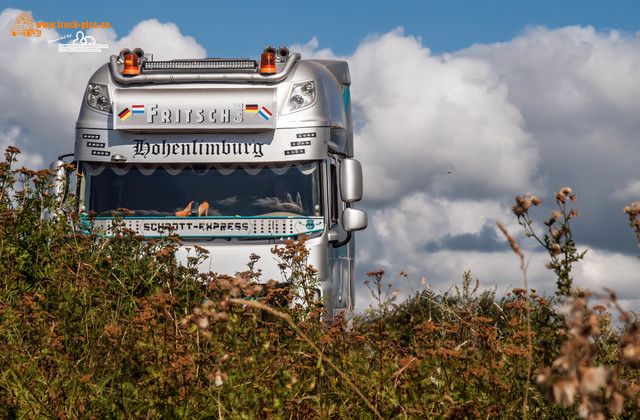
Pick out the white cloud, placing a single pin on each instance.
(435, 123)
(453, 137)
(45, 87)
(10, 136)
(445, 140)
(164, 40)
(602, 270)
(310, 49)
(630, 192)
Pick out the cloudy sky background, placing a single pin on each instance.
(450, 125)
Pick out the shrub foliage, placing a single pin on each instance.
(95, 326)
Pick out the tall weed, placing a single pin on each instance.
(113, 326)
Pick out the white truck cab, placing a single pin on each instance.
(234, 155)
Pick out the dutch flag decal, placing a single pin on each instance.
(265, 113)
(137, 109)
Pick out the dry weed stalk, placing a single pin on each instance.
(558, 241)
(633, 211)
(244, 285)
(580, 371)
(523, 267)
(576, 373)
(320, 354)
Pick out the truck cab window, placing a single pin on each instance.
(333, 173)
(278, 190)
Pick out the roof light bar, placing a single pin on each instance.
(200, 65)
(275, 68)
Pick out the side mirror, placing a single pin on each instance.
(354, 219)
(351, 181)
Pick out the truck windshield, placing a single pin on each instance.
(162, 191)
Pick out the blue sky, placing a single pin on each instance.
(243, 28)
(470, 104)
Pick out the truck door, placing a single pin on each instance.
(341, 258)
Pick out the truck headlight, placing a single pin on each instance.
(302, 96)
(98, 97)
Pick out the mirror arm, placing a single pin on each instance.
(343, 242)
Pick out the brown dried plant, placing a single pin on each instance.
(586, 373)
(514, 246)
(583, 373)
(558, 241)
(633, 211)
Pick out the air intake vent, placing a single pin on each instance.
(201, 66)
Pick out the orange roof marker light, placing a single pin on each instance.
(268, 61)
(131, 65)
(131, 60)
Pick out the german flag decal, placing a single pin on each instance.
(251, 108)
(124, 114)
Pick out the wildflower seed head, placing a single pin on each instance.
(564, 392)
(617, 404)
(560, 197)
(535, 200)
(593, 378)
(543, 375)
(633, 209)
(201, 322)
(218, 380)
(518, 210)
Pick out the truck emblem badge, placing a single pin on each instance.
(310, 224)
(124, 114)
(265, 113)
